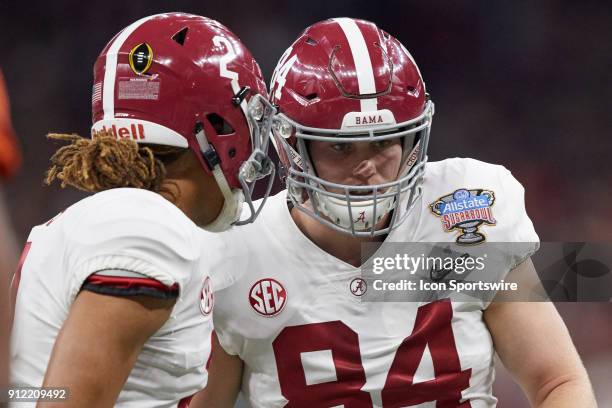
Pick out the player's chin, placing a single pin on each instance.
(384, 221)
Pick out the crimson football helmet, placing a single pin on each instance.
(184, 80)
(346, 80)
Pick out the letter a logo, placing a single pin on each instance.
(361, 217)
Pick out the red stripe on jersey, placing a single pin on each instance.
(17, 279)
(128, 283)
(184, 403)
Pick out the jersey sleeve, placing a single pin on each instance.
(519, 227)
(130, 241)
(516, 239)
(125, 283)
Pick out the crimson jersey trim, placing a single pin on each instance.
(124, 286)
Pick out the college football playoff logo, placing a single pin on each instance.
(141, 58)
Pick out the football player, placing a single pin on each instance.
(351, 131)
(113, 292)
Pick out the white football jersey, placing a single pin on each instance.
(123, 235)
(292, 313)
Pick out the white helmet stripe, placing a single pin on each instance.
(230, 55)
(110, 68)
(363, 63)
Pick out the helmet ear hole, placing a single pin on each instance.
(311, 41)
(221, 126)
(180, 36)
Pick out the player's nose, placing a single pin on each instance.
(365, 170)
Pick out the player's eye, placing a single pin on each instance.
(382, 144)
(341, 147)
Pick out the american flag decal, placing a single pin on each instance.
(96, 93)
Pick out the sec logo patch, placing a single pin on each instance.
(267, 297)
(207, 299)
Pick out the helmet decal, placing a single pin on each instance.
(282, 68)
(140, 58)
(110, 72)
(363, 64)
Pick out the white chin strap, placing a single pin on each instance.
(232, 204)
(232, 199)
(362, 212)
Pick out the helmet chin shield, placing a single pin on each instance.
(368, 210)
(229, 213)
(357, 215)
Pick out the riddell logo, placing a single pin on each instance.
(368, 120)
(135, 132)
(267, 297)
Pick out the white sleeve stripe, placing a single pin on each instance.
(363, 63)
(110, 68)
(121, 273)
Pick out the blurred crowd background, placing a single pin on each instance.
(525, 84)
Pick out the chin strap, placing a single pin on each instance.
(232, 199)
(232, 204)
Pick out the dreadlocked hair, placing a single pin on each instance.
(104, 162)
